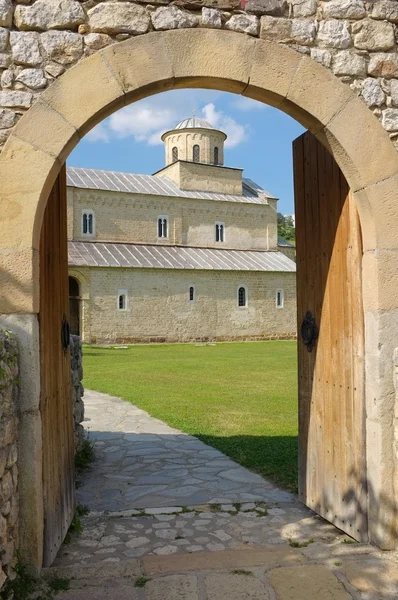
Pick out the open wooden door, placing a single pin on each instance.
(55, 403)
(332, 469)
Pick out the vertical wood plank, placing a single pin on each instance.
(332, 477)
(55, 404)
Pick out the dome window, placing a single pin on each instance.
(174, 154)
(196, 153)
(216, 155)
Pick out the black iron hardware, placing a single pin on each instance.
(65, 333)
(309, 331)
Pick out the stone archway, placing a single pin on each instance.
(259, 69)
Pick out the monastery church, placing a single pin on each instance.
(189, 253)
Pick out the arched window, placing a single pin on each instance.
(122, 300)
(88, 222)
(163, 227)
(191, 293)
(280, 299)
(174, 154)
(242, 296)
(196, 153)
(219, 232)
(216, 155)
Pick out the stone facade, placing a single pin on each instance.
(158, 308)
(356, 40)
(184, 301)
(76, 358)
(121, 217)
(9, 501)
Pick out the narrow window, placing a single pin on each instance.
(162, 227)
(196, 153)
(88, 222)
(219, 232)
(122, 300)
(191, 293)
(174, 154)
(242, 296)
(280, 298)
(216, 155)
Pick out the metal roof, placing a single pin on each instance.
(113, 181)
(193, 123)
(97, 254)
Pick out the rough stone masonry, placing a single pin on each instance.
(9, 506)
(355, 39)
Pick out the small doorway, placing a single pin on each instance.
(74, 306)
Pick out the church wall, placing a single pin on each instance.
(185, 140)
(133, 219)
(206, 178)
(158, 307)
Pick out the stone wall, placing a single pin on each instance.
(355, 39)
(9, 503)
(76, 358)
(121, 217)
(159, 310)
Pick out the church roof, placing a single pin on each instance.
(112, 181)
(97, 254)
(193, 123)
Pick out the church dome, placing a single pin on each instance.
(193, 123)
(194, 140)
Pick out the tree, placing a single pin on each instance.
(286, 229)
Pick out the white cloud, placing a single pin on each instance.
(143, 122)
(236, 133)
(98, 134)
(247, 104)
(146, 120)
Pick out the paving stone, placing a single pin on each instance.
(312, 582)
(228, 559)
(227, 586)
(136, 542)
(165, 550)
(164, 511)
(175, 587)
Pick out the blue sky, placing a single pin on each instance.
(259, 137)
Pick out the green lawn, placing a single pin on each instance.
(240, 398)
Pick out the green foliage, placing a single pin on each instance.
(23, 586)
(295, 544)
(82, 510)
(76, 524)
(286, 229)
(240, 398)
(85, 456)
(141, 581)
(59, 584)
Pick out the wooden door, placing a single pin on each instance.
(332, 470)
(55, 404)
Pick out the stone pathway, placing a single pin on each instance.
(171, 518)
(142, 462)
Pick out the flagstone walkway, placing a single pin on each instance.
(174, 519)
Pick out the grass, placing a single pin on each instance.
(238, 397)
(85, 455)
(24, 586)
(141, 581)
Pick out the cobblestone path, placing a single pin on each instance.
(173, 519)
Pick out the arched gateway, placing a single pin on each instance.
(266, 71)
